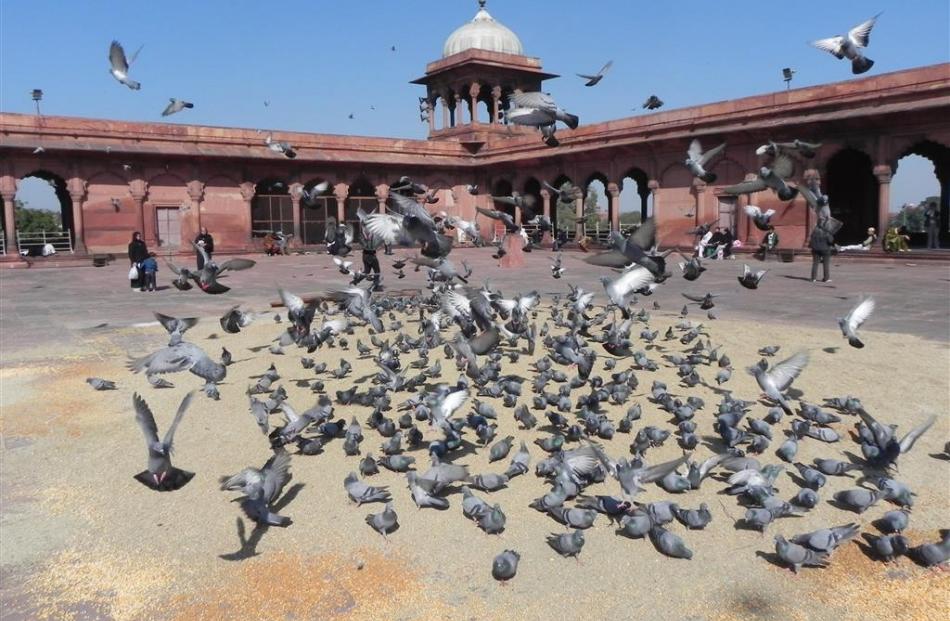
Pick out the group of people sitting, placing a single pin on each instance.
(716, 244)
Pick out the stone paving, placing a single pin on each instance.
(39, 305)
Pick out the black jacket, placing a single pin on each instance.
(821, 241)
(138, 251)
(208, 240)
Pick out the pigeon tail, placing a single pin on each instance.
(708, 177)
(861, 64)
(552, 141)
(787, 193)
(136, 86)
(572, 120)
(855, 342)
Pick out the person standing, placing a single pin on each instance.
(205, 240)
(769, 243)
(138, 252)
(821, 243)
(932, 225)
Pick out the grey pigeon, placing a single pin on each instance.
(591, 80)
(669, 544)
(850, 323)
(797, 556)
(893, 521)
(500, 449)
(850, 45)
(384, 522)
(119, 65)
(160, 474)
(361, 493)
(492, 521)
(857, 499)
(889, 546)
(473, 507)
(827, 539)
(567, 544)
(176, 105)
(573, 517)
(694, 519)
(505, 565)
(489, 482)
(636, 525)
(422, 496)
(933, 554)
(261, 487)
(100, 384)
(776, 380)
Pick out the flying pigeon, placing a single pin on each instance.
(696, 160)
(854, 320)
(160, 474)
(761, 219)
(281, 147)
(120, 66)
(750, 279)
(769, 177)
(594, 79)
(653, 102)
(176, 105)
(775, 381)
(849, 45)
(261, 487)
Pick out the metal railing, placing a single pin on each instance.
(62, 241)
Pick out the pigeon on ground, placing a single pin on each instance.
(160, 474)
(827, 539)
(384, 522)
(849, 46)
(261, 487)
(933, 554)
(857, 499)
(100, 384)
(360, 492)
(797, 556)
(176, 105)
(505, 565)
(120, 66)
(567, 544)
(669, 544)
(591, 80)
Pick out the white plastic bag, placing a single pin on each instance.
(134, 272)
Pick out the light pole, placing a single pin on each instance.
(787, 74)
(37, 97)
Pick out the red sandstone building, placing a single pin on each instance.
(167, 180)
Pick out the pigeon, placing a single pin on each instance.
(857, 499)
(591, 80)
(360, 492)
(776, 380)
(181, 357)
(567, 544)
(669, 544)
(694, 519)
(500, 449)
(652, 103)
(536, 109)
(281, 147)
(160, 475)
(420, 488)
(797, 556)
(233, 320)
(827, 539)
(100, 384)
(207, 277)
(854, 320)
(849, 46)
(932, 554)
(261, 487)
(384, 522)
(886, 447)
(888, 546)
(696, 160)
(769, 177)
(505, 565)
(761, 219)
(893, 521)
(120, 66)
(176, 105)
(176, 326)
(750, 279)
(492, 521)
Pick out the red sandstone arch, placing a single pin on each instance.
(852, 192)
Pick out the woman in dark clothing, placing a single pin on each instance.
(821, 243)
(204, 238)
(138, 252)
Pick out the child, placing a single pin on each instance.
(149, 267)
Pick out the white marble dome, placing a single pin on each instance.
(483, 33)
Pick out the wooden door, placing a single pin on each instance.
(169, 226)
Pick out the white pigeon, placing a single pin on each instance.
(849, 45)
(775, 381)
(120, 66)
(625, 284)
(343, 266)
(855, 319)
(696, 160)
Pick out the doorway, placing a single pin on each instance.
(169, 226)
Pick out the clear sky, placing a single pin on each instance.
(319, 61)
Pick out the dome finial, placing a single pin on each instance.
(481, 3)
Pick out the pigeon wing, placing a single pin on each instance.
(657, 472)
(907, 442)
(860, 35)
(783, 166)
(695, 151)
(386, 227)
(236, 265)
(860, 313)
(831, 45)
(292, 303)
(645, 236)
(746, 187)
(117, 57)
(145, 419)
(708, 155)
(170, 434)
(276, 475)
(785, 372)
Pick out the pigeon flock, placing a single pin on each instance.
(439, 391)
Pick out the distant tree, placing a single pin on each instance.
(591, 210)
(629, 218)
(35, 220)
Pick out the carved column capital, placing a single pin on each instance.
(613, 190)
(138, 188)
(248, 190)
(296, 191)
(653, 185)
(196, 190)
(545, 194)
(76, 188)
(382, 192)
(8, 187)
(883, 173)
(496, 92)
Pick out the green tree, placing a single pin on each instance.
(591, 211)
(35, 220)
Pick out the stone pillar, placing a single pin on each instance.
(196, 193)
(547, 240)
(340, 192)
(430, 110)
(809, 175)
(445, 110)
(654, 187)
(699, 190)
(515, 195)
(8, 187)
(248, 189)
(138, 188)
(495, 103)
(613, 205)
(77, 194)
(459, 111)
(296, 193)
(744, 218)
(883, 174)
(578, 213)
(473, 91)
(382, 195)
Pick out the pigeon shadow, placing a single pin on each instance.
(790, 277)
(843, 507)
(830, 350)
(866, 547)
(771, 557)
(248, 544)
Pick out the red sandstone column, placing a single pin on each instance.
(578, 213)
(296, 193)
(546, 239)
(445, 110)
(517, 209)
(459, 111)
(495, 103)
(613, 205)
(654, 186)
(138, 188)
(8, 186)
(382, 194)
(809, 175)
(745, 218)
(340, 192)
(883, 174)
(248, 190)
(77, 194)
(196, 193)
(473, 92)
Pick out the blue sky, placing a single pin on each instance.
(318, 61)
